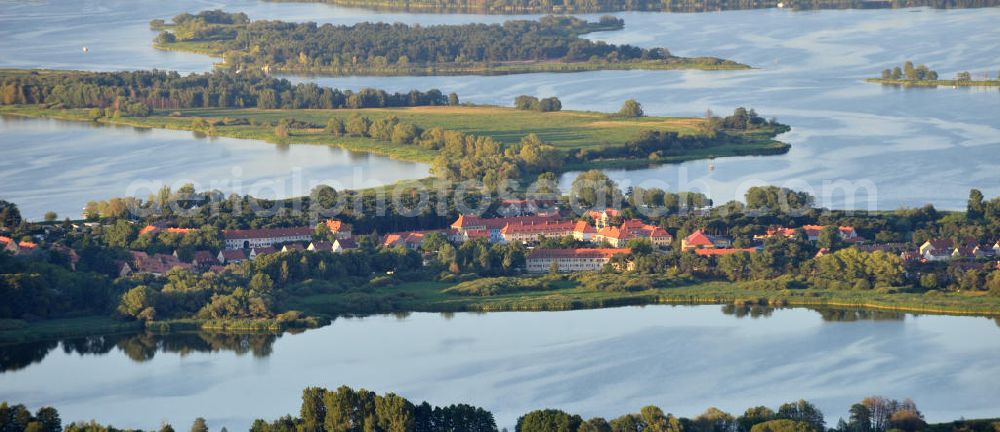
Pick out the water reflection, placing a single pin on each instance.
(826, 313)
(139, 347)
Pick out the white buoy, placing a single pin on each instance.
(85, 49)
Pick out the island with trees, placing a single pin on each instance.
(592, 6)
(551, 44)
(921, 76)
(347, 409)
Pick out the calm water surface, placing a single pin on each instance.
(59, 166)
(855, 145)
(595, 362)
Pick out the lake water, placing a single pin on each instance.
(592, 362)
(59, 166)
(854, 145)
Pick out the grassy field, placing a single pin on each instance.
(433, 297)
(935, 83)
(565, 130)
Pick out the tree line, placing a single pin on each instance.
(170, 90)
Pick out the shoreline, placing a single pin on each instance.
(562, 300)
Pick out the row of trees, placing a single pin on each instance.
(128, 92)
(910, 73)
(349, 410)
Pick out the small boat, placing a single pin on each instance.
(711, 167)
(780, 5)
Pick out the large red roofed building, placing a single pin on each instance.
(534, 231)
(571, 260)
(492, 226)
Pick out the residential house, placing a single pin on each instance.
(570, 260)
(320, 246)
(936, 244)
(122, 268)
(156, 264)
(343, 245)
(700, 240)
(231, 256)
(293, 247)
(937, 254)
(262, 251)
(583, 231)
(338, 229)
(410, 240)
(204, 259)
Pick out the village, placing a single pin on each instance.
(598, 236)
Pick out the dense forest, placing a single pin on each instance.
(592, 6)
(135, 93)
(348, 410)
(382, 47)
